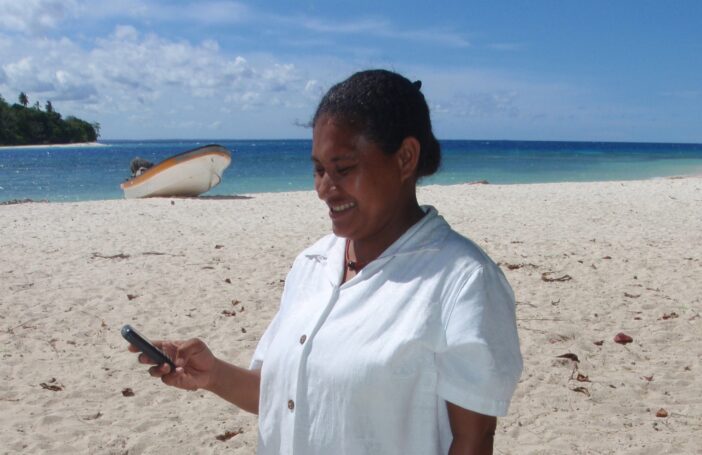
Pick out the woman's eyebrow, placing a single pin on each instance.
(347, 157)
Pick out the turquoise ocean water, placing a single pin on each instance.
(94, 173)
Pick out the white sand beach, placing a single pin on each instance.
(586, 260)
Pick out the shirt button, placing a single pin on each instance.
(303, 338)
(291, 404)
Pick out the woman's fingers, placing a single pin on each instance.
(159, 371)
(190, 348)
(179, 379)
(143, 358)
(192, 355)
(168, 347)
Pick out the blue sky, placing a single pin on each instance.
(529, 70)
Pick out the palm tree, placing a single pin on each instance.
(23, 99)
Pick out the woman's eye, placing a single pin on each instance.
(318, 171)
(344, 170)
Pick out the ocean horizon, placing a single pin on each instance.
(94, 172)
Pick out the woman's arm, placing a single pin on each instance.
(473, 433)
(236, 385)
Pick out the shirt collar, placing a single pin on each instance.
(424, 235)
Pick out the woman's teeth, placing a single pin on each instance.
(341, 208)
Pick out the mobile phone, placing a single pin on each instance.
(130, 334)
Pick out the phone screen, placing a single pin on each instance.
(135, 338)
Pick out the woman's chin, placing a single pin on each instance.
(341, 230)
(338, 231)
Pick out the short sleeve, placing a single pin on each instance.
(263, 343)
(272, 329)
(480, 363)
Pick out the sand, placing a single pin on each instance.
(587, 261)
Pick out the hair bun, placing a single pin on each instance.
(417, 85)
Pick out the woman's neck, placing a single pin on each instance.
(363, 251)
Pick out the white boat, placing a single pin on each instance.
(189, 173)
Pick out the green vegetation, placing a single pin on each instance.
(22, 125)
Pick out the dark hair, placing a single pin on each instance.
(386, 108)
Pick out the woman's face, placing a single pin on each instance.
(361, 185)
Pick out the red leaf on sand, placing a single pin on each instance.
(228, 435)
(622, 338)
(647, 378)
(128, 392)
(662, 413)
(582, 378)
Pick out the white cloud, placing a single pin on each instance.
(350, 27)
(140, 84)
(381, 28)
(214, 12)
(201, 12)
(126, 33)
(314, 89)
(480, 104)
(127, 66)
(34, 16)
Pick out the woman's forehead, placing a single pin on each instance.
(335, 141)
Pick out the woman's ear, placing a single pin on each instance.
(408, 157)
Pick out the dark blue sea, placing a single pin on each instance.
(95, 172)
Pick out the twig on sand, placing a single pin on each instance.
(114, 256)
(545, 277)
(11, 330)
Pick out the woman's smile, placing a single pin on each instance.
(342, 207)
(338, 213)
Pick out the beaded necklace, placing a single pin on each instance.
(352, 265)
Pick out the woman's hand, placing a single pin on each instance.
(198, 368)
(195, 364)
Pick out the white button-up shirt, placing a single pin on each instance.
(366, 367)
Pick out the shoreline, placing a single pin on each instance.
(252, 195)
(54, 146)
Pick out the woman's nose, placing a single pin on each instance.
(325, 185)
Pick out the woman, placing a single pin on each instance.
(395, 334)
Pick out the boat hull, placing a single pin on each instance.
(185, 175)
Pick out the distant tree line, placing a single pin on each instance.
(22, 125)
